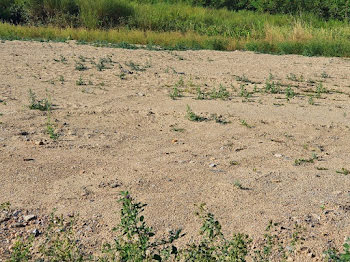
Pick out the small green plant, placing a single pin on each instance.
(272, 87)
(5, 206)
(238, 184)
(200, 94)
(177, 129)
(35, 104)
(311, 100)
(192, 116)
(244, 123)
(80, 82)
(175, 93)
(234, 163)
(80, 66)
(325, 75)
(295, 78)
(213, 246)
(244, 93)
(300, 161)
(62, 59)
(320, 89)
(334, 255)
(219, 119)
(242, 78)
(135, 67)
(61, 79)
(343, 171)
(133, 242)
(60, 243)
(100, 66)
(50, 128)
(222, 93)
(21, 250)
(122, 76)
(289, 93)
(180, 83)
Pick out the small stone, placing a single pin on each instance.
(174, 141)
(212, 165)
(278, 155)
(24, 133)
(114, 185)
(141, 94)
(36, 232)
(29, 218)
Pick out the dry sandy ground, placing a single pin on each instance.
(128, 134)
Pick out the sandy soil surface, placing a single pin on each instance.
(120, 130)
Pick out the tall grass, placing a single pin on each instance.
(276, 40)
(178, 25)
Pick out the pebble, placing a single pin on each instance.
(36, 232)
(212, 165)
(29, 218)
(278, 155)
(114, 185)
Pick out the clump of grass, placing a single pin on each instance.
(335, 255)
(300, 161)
(320, 89)
(242, 78)
(289, 93)
(61, 79)
(244, 93)
(62, 59)
(200, 94)
(50, 128)
(343, 171)
(238, 184)
(222, 93)
(311, 100)
(325, 75)
(42, 104)
(272, 87)
(134, 239)
(295, 78)
(219, 119)
(80, 82)
(175, 93)
(135, 67)
(192, 116)
(244, 123)
(80, 66)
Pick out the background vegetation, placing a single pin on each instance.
(272, 26)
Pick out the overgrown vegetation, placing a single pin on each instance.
(136, 241)
(187, 24)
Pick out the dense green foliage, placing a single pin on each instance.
(186, 24)
(139, 13)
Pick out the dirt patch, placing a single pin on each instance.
(266, 151)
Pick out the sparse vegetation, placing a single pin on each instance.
(343, 171)
(175, 93)
(300, 161)
(35, 104)
(192, 116)
(135, 241)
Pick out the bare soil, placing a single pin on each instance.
(120, 131)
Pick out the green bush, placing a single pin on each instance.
(103, 13)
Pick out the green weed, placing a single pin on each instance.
(343, 171)
(35, 104)
(175, 93)
(244, 123)
(192, 116)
